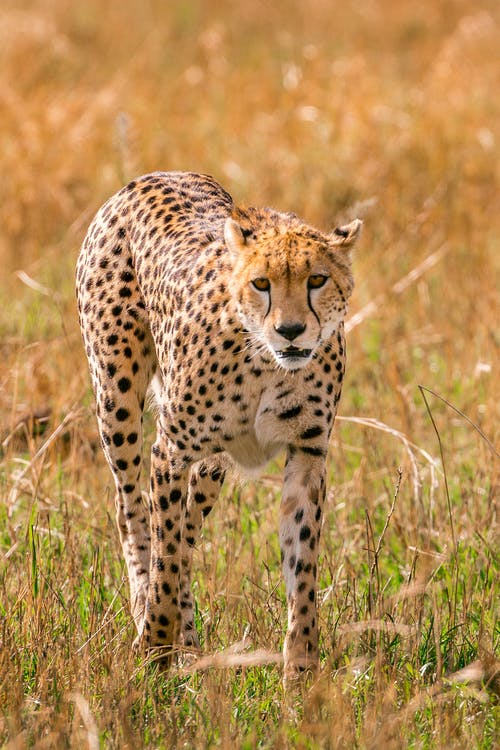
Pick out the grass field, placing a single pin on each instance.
(378, 108)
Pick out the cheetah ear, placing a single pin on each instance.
(346, 235)
(234, 237)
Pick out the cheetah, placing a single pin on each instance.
(236, 317)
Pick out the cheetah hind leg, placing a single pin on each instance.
(205, 483)
(122, 445)
(120, 403)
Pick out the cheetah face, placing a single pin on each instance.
(291, 286)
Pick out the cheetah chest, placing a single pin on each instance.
(265, 434)
(252, 421)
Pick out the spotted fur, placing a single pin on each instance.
(236, 315)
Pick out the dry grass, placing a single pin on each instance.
(385, 109)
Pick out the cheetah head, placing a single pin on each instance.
(290, 283)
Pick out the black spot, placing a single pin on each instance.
(314, 399)
(122, 415)
(109, 404)
(312, 451)
(299, 515)
(311, 432)
(162, 620)
(118, 439)
(294, 411)
(175, 496)
(305, 533)
(124, 384)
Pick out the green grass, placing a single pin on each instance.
(384, 110)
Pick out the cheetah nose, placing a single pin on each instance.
(290, 331)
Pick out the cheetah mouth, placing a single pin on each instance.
(293, 352)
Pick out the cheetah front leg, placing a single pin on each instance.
(300, 520)
(205, 483)
(119, 417)
(169, 487)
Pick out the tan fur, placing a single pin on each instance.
(166, 285)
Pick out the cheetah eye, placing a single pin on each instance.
(263, 285)
(316, 281)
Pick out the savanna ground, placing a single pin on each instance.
(383, 109)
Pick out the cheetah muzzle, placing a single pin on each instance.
(235, 316)
(292, 353)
